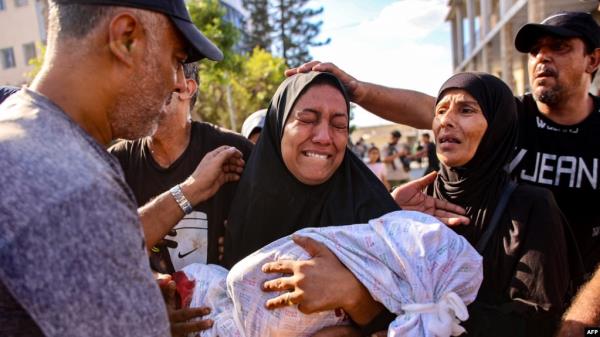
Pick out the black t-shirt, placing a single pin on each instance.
(527, 270)
(432, 158)
(197, 232)
(564, 159)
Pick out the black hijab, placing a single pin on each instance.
(271, 203)
(478, 185)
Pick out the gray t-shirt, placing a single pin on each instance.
(72, 255)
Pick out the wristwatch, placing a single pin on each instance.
(181, 200)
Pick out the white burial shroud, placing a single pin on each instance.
(409, 261)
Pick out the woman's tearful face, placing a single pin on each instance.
(316, 134)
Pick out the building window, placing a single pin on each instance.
(20, 3)
(2, 7)
(29, 51)
(8, 58)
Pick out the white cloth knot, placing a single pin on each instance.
(444, 316)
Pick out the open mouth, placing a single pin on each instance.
(449, 140)
(545, 73)
(316, 155)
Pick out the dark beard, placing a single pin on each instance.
(549, 96)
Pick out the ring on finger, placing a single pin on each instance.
(288, 299)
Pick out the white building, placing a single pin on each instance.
(23, 27)
(483, 34)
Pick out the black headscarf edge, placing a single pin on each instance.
(270, 202)
(478, 184)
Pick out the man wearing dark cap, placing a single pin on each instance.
(73, 256)
(559, 119)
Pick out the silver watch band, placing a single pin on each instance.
(181, 200)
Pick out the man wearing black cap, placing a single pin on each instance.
(559, 119)
(73, 256)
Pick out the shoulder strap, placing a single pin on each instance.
(491, 228)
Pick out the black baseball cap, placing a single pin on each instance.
(563, 24)
(199, 45)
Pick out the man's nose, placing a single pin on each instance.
(543, 54)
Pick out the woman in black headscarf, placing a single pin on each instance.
(302, 174)
(281, 193)
(529, 263)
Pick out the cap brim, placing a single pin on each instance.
(200, 46)
(529, 34)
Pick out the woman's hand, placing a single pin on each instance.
(319, 284)
(410, 196)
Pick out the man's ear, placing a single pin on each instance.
(594, 61)
(190, 89)
(125, 34)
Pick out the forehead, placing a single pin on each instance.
(458, 95)
(321, 94)
(319, 90)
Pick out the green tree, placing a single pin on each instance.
(250, 89)
(296, 31)
(255, 85)
(232, 89)
(213, 105)
(259, 26)
(36, 62)
(208, 15)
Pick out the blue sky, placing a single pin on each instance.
(403, 43)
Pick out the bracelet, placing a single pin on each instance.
(181, 200)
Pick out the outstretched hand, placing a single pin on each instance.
(352, 85)
(410, 196)
(222, 165)
(182, 319)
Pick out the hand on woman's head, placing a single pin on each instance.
(315, 134)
